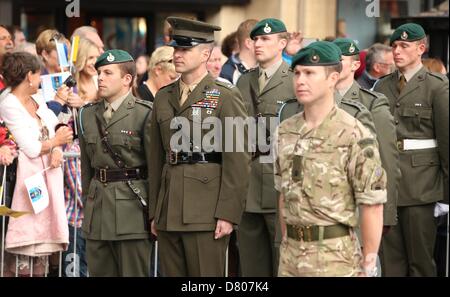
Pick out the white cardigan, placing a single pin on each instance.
(23, 126)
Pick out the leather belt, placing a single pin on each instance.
(113, 175)
(174, 158)
(311, 233)
(416, 144)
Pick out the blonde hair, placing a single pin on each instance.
(162, 56)
(84, 47)
(45, 41)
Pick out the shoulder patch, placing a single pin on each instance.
(145, 103)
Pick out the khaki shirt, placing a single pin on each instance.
(325, 172)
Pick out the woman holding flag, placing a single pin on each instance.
(32, 124)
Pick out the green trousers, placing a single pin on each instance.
(407, 249)
(130, 258)
(192, 254)
(257, 251)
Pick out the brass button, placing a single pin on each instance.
(106, 167)
(398, 104)
(105, 184)
(205, 179)
(105, 150)
(106, 132)
(416, 113)
(396, 122)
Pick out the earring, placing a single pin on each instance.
(31, 84)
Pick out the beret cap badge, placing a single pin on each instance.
(267, 29)
(404, 35)
(315, 58)
(110, 58)
(351, 49)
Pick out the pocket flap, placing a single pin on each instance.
(420, 112)
(205, 174)
(90, 138)
(430, 159)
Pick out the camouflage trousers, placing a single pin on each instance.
(328, 257)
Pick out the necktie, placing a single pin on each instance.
(262, 80)
(401, 83)
(184, 95)
(108, 113)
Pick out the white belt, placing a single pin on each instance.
(416, 144)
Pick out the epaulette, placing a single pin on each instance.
(224, 84)
(440, 76)
(355, 104)
(80, 114)
(373, 93)
(145, 103)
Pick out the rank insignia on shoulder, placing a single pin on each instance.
(418, 104)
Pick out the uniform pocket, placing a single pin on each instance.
(417, 119)
(89, 207)
(129, 211)
(201, 184)
(91, 142)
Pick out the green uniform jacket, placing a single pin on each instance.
(420, 112)
(111, 210)
(378, 105)
(191, 197)
(262, 196)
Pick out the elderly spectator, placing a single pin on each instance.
(6, 46)
(33, 126)
(214, 64)
(379, 62)
(161, 72)
(90, 33)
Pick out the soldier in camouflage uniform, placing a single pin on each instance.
(327, 165)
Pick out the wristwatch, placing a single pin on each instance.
(370, 272)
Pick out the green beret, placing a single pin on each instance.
(408, 32)
(187, 33)
(266, 27)
(114, 56)
(348, 46)
(319, 53)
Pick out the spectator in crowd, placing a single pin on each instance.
(230, 45)
(362, 61)
(161, 72)
(91, 33)
(33, 126)
(18, 36)
(243, 60)
(434, 65)
(214, 64)
(379, 62)
(6, 46)
(86, 74)
(141, 69)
